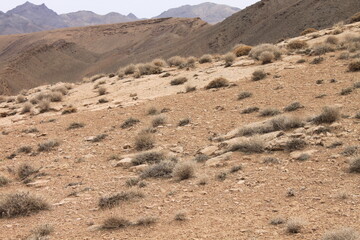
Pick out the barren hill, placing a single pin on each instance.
(69, 54)
(209, 12)
(270, 21)
(246, 150)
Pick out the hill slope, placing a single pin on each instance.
(209, 12)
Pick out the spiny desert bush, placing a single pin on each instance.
(25, 170)
(152, 111)
(158, 121)
(241, 50)
(129, 69)
(148, 69)
(217, 83)
(144, 141)
(322, 48)
(342, 234)
(258, 50)
(356, 85)
(244, 95)
(294, 225)
(184, 170)
(26, 108)
(301, 61)
(266, 57)
(297, 44)
(132, 182)
(21, 99)
(295, 144)
(102, 91)
(251, 145)
(99, 138)
(178, 81)
(328, 115)
(44, 106)
(277, 221)
(235, 169)
(40, 232)
(271, 160)
(130, 122)
(200, 158)
(344, 55)
(148, 157)
(346, 91)
(163, 169)
(145, 221)
(159, 62)
(332, 40)
(180, 216)
(250, 110)
(113, 223)
(355, 18)
(184, 122)
(357, 115)
(190, 62)
(24, 149)
(350, 151)
(69, 110)
(355, 165)
(47, 146)
(117, 199)
(21, 204)
(293, 107)
(221, 176)
(307, 31)
(103, 100)
(176, 61)
(62, 89)
(75, 125)
(189, 88)
(354, 66)
(268, 112)
(258, 75)
(317, 60)
(207, 58)
(229, 59)
(4, 181)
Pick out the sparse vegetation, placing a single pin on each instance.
(40, 232)
(271, 160)
(241, 50)
(176, 61)
(4, 181)
(102, 91)
(293, 107)
(294, 225)
(132, 182)
(295, 144)
(350, 151)
(24, 171)
(354, 66)
(113, 223)
(322, 48)
(355, 165)
(144, 141)
(178, 81)
(130, 122)
(21, 99)
(184, 170)
(180, 216)
(317, 60)
(229, 59)
(266, 57)
(297, 44)
(152, 111)
(346, 91)
(342, 234)
(200, 158)
(235, 169)
(244, 95)
(130, 69)
(258, 75)
(25, 149)
(75, 125)
(148, 157)
(47, 146)
(218, 83)
(251, 145)
(355, 18)
(21, 204)
(163, 169)
(44, 105)
(250, 110)
(145, 221)
(332, 40)
(117, 199)
(189, 88)
(277, 221)
(307, 31)
(256, 52)
(159, 62)
(184, 122)
(268, 112)
(158, 121)
(69, 110)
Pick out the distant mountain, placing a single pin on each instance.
(30, 17)
(209, 12)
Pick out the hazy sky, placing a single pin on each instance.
(141, 8)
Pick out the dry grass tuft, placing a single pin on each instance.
(158, 121)
(207, 58)
(355, 18)
(184, 170)
(294, 225)
(218, 83)
(178, 81)
(148, 157)
(328, 115)
(75, 125)
(293, 107)
(26, 108)
(145, 221)
(21, 204)
(251, 145)
(25, 170)
(176, 61)
(342, 234)
(40, 232)
(258, 75)
(354, 66)
(48, 145)
(113, 223)
(117, 199)
(144, 141)
(244, 95)
(229, 59)
(130, 122)
(159, 62)
(180, 216)
(269, 112)
(184, 122)
(308, 30)
(44, 106)
(256, 52)
(160, 170)
(355, 165)
(297, 44)
(241, 50)
(4, 181)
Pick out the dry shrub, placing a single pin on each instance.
(21, 99)
(297, 44)
(102, 91)
(44, 106)
(346, 91)
(268, 112)
(355, 18)
(295, 144)
(322, 48)
(160, 170)
(178, 81)
(308, 30)
(190, 62)
(99, 138)
(344, 55)
(294, 225)
(355, 165)
(258, 75)
(152, 111)
(75, 125)
(40, 232)
(184, 170)
(4, 181)
(241, 50)
(218, 83)
(113, 223)
(190, 89)
(266, 57)
(251, 145)
(176, 61)
(130, 122)
(250, 110)
(184, 122)
(277, 221)
(148, 157)
(293, 107)
(21, 204)
(342, 234)
(229, 59)
(332, 40)
(244, 95)
(354, 66)
(25, 170)
(159, 62)
(117, 199)
(145, 221)
(129, 69)
(62, 89)
(328, 115)
(96, 77)
(158, 121)
(207, 58)
(256, 52)
(69, 110)
(26, 108)
(148, 69)
(180, 216)
(48, 145)
(24, 149)
(144, 141)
